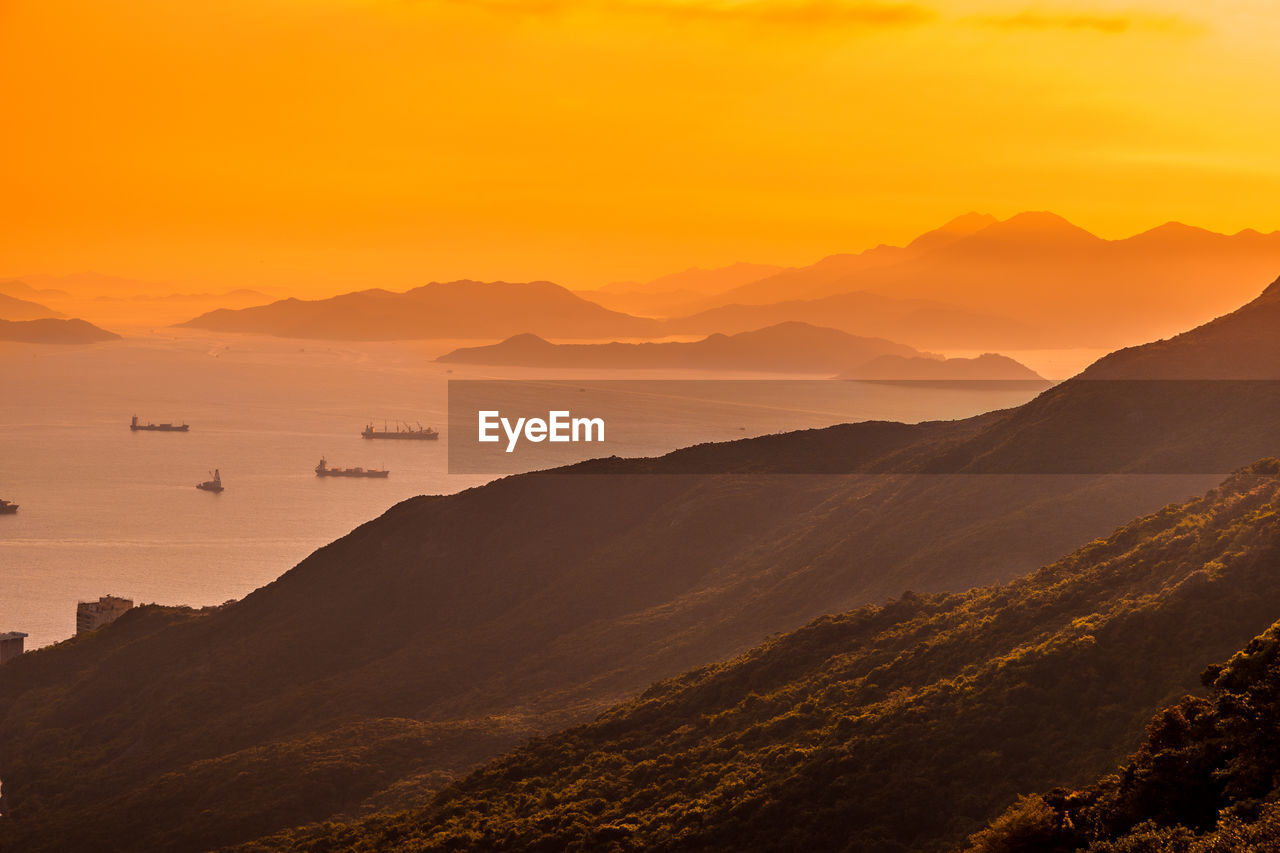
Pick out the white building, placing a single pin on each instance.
(92, 615)
(11, 645)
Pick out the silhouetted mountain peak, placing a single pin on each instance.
(790, 328)
(962, 226)
(1175, 234)
(1179, 229)
(455, 309)
(527, 339)
(1037, 225)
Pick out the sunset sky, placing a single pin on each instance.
(316, 146)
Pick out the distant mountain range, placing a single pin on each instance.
(1031, 281)
(459, 309)
(986, 367)
(86, 285)
(53, 331)
(924, 322)
(787, 347)
(1035, 274)
(21, 288)
(116, 301)
(13, 308)
(469, 309)
(452, 627)
(678, 293)
(779, 284)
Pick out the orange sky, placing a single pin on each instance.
(326, 145)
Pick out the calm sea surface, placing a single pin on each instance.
(109, 511)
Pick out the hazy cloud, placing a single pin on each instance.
(1107, 23)
(865, 13)
(802, 12)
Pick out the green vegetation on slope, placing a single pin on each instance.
(903, 727)
(1207, 777)
(527, 605)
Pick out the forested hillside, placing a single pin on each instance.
(1205, 780)
(900, 727)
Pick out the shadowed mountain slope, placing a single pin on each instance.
(1242, 345)
(515, 608)
(890, 728)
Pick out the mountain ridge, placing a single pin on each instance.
(785, 347)
(15, 309)
(537, 600)
(1087, 291)
(458, 309)
(49, 330)
(894, 727)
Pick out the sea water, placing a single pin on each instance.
(105, 510)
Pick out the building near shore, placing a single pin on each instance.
(11, 645)
(92, 615)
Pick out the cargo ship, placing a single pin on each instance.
(137, 427)
(7, 507)
(212, 485)
(323, 470)
(402, 431)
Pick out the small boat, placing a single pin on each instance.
(7, 507)
(323, 470)
(403, 431)
(148, 427)
(212, 485)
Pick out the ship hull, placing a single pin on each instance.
(403, 436)
(333, 473)
(159, 428)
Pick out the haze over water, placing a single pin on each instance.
(108, 511)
